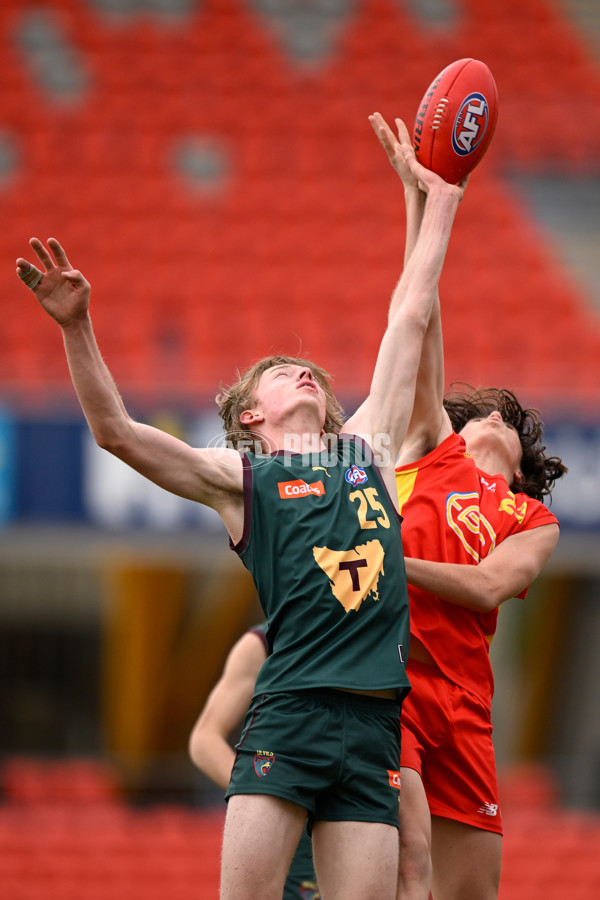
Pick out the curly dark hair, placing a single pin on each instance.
(540, 472)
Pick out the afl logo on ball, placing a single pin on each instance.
(470, 124)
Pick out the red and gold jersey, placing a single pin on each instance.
(455, 513)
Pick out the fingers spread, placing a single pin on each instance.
(31, 276)
(60, 257)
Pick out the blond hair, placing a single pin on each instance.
(232, 401)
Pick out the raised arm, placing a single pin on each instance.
(504, 573)
(212, 477)
(226, 705)
(429, 424)
(390, 403)
(414, 197)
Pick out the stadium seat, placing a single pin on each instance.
(305, 188)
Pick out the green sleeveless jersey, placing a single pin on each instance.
(322, 542)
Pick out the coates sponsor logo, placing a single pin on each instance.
(355, 476)
(470, 124)
(293, 490)
(263, 760)
(395, 779)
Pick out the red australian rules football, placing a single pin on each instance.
(456, 119)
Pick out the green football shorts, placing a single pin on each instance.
(335, 753)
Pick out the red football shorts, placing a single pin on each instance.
(447, 738)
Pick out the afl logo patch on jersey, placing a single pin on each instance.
(355, 476)
(470, 124)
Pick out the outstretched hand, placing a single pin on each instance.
(401, 155)
(397, 148)
(60, 289)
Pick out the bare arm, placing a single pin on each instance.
(429, 424)
(503, 574)
(414, 197)
(226, 705)
(212, 477)
(390, 403)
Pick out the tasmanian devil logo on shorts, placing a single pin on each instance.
(263, 761)
(309, 890)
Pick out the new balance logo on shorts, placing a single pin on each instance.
(488, 809)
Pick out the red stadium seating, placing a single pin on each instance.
(302, 240)
(66, 833)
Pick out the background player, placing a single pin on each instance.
(224, 709)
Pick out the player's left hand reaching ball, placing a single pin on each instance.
(397, 148)
(401, 155)
(60, 289)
